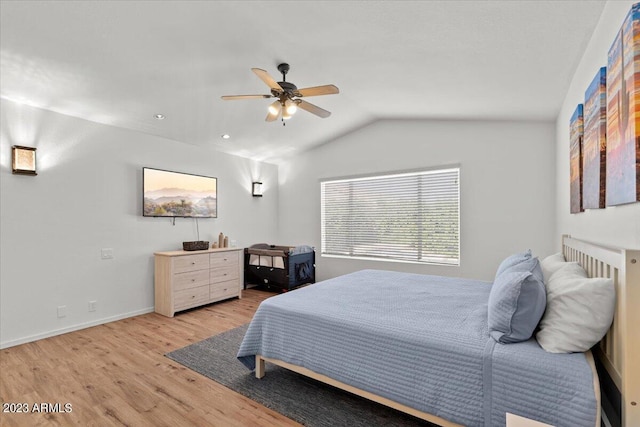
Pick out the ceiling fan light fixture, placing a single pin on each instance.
(274, 108)
(291, 107)
(286, 115)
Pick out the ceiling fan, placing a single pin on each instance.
(288, 96)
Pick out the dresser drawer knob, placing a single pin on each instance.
(193, 263)
(193, 280)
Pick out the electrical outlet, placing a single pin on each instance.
(62, 311)
(106, 253)
(92, 305)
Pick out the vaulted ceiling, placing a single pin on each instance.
(120, 63)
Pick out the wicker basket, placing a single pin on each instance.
(198, 245)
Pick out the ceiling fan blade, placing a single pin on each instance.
(313, 109)
(274, 111)
(233, 97)
(318, 90)
(270, 81)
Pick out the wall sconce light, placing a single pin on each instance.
(23, 160)
(256, 189)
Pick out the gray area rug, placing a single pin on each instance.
(295, 396)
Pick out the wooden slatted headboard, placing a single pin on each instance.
(619, 350)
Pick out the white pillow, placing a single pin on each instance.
(551, 264)
(579, 310)
(569, 269)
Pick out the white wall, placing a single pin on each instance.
(87, 196)
(619, 225)
(507, 186)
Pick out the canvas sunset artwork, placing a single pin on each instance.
(594, 147)
(576, 132)
(623, 110)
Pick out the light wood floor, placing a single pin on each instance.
(116, 374)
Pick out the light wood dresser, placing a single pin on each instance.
(187, 279)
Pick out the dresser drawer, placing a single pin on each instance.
(185, 280)
(222, 259)
(185, 263)
(222, 274)
(190, 297)
(223, 290)
(190, 279)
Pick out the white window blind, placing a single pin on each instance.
(411, 217)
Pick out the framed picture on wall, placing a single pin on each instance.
(623, 109)
(576, 132)
(594, 146)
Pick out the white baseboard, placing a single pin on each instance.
(12, 343)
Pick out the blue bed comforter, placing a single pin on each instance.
(421, 341)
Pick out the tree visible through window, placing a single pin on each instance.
(411, 217)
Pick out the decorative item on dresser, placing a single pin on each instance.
(186, 279)
(196, 245)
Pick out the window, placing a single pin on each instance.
(410, 217)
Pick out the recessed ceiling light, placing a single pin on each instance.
(226, 136)
(159, 116)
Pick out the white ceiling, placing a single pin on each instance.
(119, 63)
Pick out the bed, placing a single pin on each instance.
(451, 373)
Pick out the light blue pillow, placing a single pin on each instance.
(512, 260)
(517, 302)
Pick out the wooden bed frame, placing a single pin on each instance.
(619, 350)
(615, 352)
